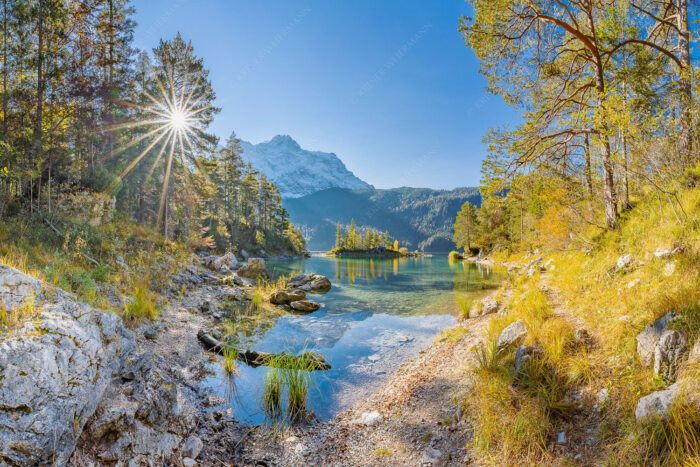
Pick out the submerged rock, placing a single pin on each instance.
(304, 306)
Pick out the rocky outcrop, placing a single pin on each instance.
(672, 345)
(55, 370)
(647, 339)
(145, 414)
(304, 306)
(254, 269)
(514, 334)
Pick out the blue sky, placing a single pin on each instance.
(389, 86)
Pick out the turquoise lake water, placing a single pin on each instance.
(379, 313)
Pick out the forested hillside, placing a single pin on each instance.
(420, 218)
(93, 129)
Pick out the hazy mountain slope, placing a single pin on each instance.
(296, 171)
(418, 217)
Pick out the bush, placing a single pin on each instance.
(454, 256)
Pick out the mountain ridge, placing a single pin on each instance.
(420, 218)
(299, 172)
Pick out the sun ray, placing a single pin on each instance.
(166, 181)
(133, 163)
(127, 125)
(155, 162)
(131, 143)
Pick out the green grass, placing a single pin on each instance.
(142, 306)
(289, 372)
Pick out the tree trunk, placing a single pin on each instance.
(38, 127)
(4, 77)
(686, 92)
(626, 205)
(588, 176)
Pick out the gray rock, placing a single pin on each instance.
(431, 456)
(514, 334)
(671, 346)
(646, 340)
(310, 282)
(304, 306)
(147, 416)
(245, 255)
(370, 418)
(602, 396)
(662, 253)
(669, 269)
(187, 462)
(54, 370)
(525, 354)
(254, 269)
(224, 263)
(150, 333)
(561, 439)
(192, 447)
(656, 404)
(487, 306)
(243, 281)
(623, 262)
(281, 297)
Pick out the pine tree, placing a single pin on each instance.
(338, 237)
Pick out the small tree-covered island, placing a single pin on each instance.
(265, 233)
(370, 244)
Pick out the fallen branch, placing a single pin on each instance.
(314, 360)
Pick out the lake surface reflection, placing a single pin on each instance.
(379, 313)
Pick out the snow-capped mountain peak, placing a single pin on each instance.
(299, 172)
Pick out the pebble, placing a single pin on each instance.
(150, 333)
(300, 448)
(370, 418)
(291, 439)
(431, 456)
(187, 462)
(374, 357)
(562, 437)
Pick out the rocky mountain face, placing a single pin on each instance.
(420, 218)
(299, 172)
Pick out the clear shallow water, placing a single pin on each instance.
(379, 313)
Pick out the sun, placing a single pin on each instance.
(178, 120)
